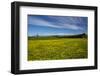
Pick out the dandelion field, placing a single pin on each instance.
(57, 48)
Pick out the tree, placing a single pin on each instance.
(37, 35)
(84, 35)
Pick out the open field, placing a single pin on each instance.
(54, 49)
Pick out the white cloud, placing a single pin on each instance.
(62, 23)
(60, 34)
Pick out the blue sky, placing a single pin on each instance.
(56, 25)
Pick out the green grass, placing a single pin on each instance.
(54, 49)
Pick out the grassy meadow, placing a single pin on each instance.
(57, 48)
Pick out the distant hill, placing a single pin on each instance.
(83, 35)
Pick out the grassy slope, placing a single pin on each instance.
(53, 49)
